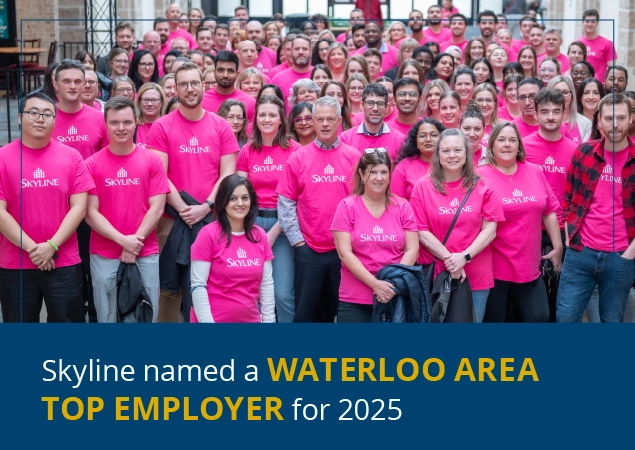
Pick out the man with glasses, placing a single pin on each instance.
(407, 98)
(316, 178)
(458, 25)
(198, 150)
(124, 208)
(373, 131)
(152, 43)
(372, 34)
(527, 122)
(91, 90)
(82, 128)
(42, 201)
(600, 51)
(226, 72)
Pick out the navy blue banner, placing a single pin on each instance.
(364, 386)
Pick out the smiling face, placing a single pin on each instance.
(306, 94)
(251, 86)
(449, 111)
(239, 204)
(407, 99)
(333, 90)
(505, 148)
(432, 98)
(427, 137)
(303, 124)
(477, 50)
(575, 55)
(445, 67)
(482, 73)
(376, 179)
(452, 154)
(591, 97)
(511, 93)
(146, 67)
(498, 58)
(337, 59)
(614, 121)
(526, 59)
(150, 102)
(268, 119)
(547, 71)
(549, 116)
(355, 90)
(474, 129)
(121, 125)
(464, 86)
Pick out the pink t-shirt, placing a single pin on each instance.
(49, 176)
(182, 34)
(212, 101)
(341, 37)
(553, 158)
(124, 185)
(286, 78)
(598, 230)
(279, 68)
(406, 174)
(266, 60)
(317, 180)
(526, 198)
(503, 114)
(600, 51)
(525, 129)
(236, 272)
(394, 124)
(518, 44)
(435, 211)
(375, 242)
(85, 130)
(97, 106)
(389, 57)
(391, 140)
(445, 44)
(444, 35)
(358, 118)
(488, 131)
(264, 169)
(194, 150)
(562, 59)
(143, 131)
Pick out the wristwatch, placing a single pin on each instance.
(468, 258)
(210, 204)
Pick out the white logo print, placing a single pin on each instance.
(378, 236)
(242, 260)
(122, 179)
(242, 254)
(454, 202)
(122, 173)
(550, 161)
(193, 141)
(608, 169)
(378, 230)
(39, 180)
(39, 173)
(72, 130)
(328, 170)
(329, 176)
(268, 160)
(517, 193)
(72, 136)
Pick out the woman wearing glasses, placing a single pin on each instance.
(262, 161)
(119, 62)
(301, 123)
(143, 68)
(233, 111)
(485, 96)
(371, 212)
(124, 87)
(150, 104)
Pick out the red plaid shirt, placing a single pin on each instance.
(583, 175)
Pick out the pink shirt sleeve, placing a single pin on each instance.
(158, 178)
(416, 201)
(398, 181)
(492, 208)
(158, 138)
(407, 217)
(553, 205)
(90, 166)
(288, 184)
(82, 180)
(342, 219)
(105, 140)
(241, 164)
(202, 248)
(268, 251)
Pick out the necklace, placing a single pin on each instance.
(509, 177)
(370, 205)
(453, 188)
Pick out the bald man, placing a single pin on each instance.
(173, 14)
(266, 59)
(180, 44)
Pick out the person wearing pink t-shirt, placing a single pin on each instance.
(416, 23)
(553, 42)
(599, 217)
(173, 14)
(287, 52)
(149, 104)
(458, 26)
(42, 201)
(407, 98)
(527, 123)
(89, 94)
(525, 25)
(226, 72)
(448, 10)
(389, 54)
(435, 32)
(265, 57)
(124, 208)
(315, 179)
(600, 52)
(528, 204)
(415, 156)
(373, 133)
(356, 17)
(262, 161)
(486, 23)
(301, 56)
(435, 200)
(198, 150)
(371, 229)
(231, 261)
(472, 124)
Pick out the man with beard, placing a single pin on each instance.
(458, 25)
(486, 22)
(435, 32)
(287, 52)
(407, 98)
(162, 27)
(226, 72)
(373, 133)
(358, 35)
(389, 54)
(301, 68)
(616, 79)
(415, 23)
(599, 219)
(198, 150)
(266, 58)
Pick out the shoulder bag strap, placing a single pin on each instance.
(458, 211)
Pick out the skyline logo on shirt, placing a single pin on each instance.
(378, 236)
(268, 166)
(329, 176)
(121, 179)
(242, 260)
(608, 169)
(518, 197)
(454, 205)
(193, 147)
(550, 166)
(39, 180)
(72, 130)
(607, 175)
(550, 161)
(72, 136)
(378, 230)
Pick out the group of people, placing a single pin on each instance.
(254, 185)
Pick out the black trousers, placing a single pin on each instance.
(317, 283)
(60, 289)
(354, 313)
(528, 299)
(552, 285)
(83, 240)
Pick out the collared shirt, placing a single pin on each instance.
(583, 175)
(363, 130)
(323, 146)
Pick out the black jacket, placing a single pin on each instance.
(174, 261)
(410, 303)
(452, 299)
(133, 301)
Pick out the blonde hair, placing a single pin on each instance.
(443, 87)
(145, 88)
(251, 71)
(487, 87)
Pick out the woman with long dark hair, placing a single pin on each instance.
(301, 123)
(233, 111)
(231, 261)
(320, 50)
(337, 90)
(442, 67)
(143, 69)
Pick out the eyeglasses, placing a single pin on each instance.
(426, 136)
(184, 84)
(209, 84)
(489, 101)
(90, 83)
(122, 61)
(376, 150)
(150, 101)
(404, 94)
(565, 93)
(371, 104)
(128, 90)
(35, 116)
(152, 42)
(307, 119)
(325, 119)
(356, 89)
(237, 119)
(149, 65)
(524, 98)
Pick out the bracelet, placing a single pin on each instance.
(53, 245)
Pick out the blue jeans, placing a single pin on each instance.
(480, 302)
(581, 271)
(283, 272)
